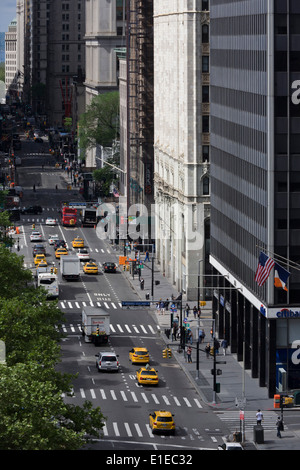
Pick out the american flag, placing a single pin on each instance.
(265, 264)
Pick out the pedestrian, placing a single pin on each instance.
(224, 345)
(279, 425)
(167, 304)
(189, 338)
(187, 309)
(201, 336)
(147, 256)
(142, 282)
(189, 354)
(195, 311)
(207, 350)
(174, 330)
(33, 188)
(56, 187)
(216, 346)
(259, 417)
(199, 313)
(162, 307)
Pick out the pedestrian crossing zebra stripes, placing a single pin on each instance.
(129, 397)
(68, 304)
(232, 419)
(114, 328)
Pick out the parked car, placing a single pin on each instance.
(32, 210)
(107, 361)
(109, 267)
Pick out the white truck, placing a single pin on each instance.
(95, 325)
(70, 267)
(49, 282)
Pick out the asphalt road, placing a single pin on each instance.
(125, 404)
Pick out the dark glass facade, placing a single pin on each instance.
(255, 175)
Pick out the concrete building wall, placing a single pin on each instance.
(181, 206)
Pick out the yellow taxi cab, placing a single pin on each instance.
(38, 258)
(42, 264)
(90, 268)
(78, 243)
(162, 421)
(61, 252)
(147, 376)
(139, 355)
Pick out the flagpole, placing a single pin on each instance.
(288, 262)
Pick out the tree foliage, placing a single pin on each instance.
(33, 414)
(100, 123)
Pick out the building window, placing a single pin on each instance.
(205, 5)
(205, 63)
(205, 34)
(205, 94)
(205, 185)
(205, 153)
(205, 124)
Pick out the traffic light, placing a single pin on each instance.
(165, 353)
(169, 352)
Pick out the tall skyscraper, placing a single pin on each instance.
(255, 195)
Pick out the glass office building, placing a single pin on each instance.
(255, 182)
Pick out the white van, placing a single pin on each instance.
(49, 282)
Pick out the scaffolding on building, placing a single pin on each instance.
(140, 114)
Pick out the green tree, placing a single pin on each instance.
(100, 123)
(33, 414)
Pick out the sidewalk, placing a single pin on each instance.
(234, 383)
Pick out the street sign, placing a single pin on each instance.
(135, 303)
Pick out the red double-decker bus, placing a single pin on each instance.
(68, 216)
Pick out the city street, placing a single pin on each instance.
(124, 402)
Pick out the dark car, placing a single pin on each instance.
(109, 267)
(38, 140)
(32, 210)
(38, 249)
(60, 244)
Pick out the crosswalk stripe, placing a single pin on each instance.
(187, 402)
(128, 329)
(102, 393)
(123, 395)
(149, 430)
(134, 397)
(177, 401)
(145, 397)
(116, 429)
(166, 400)
(93, 394)
(120, 328)
(112, 392)
(138, 430)
(155, 398)
(127, 427)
